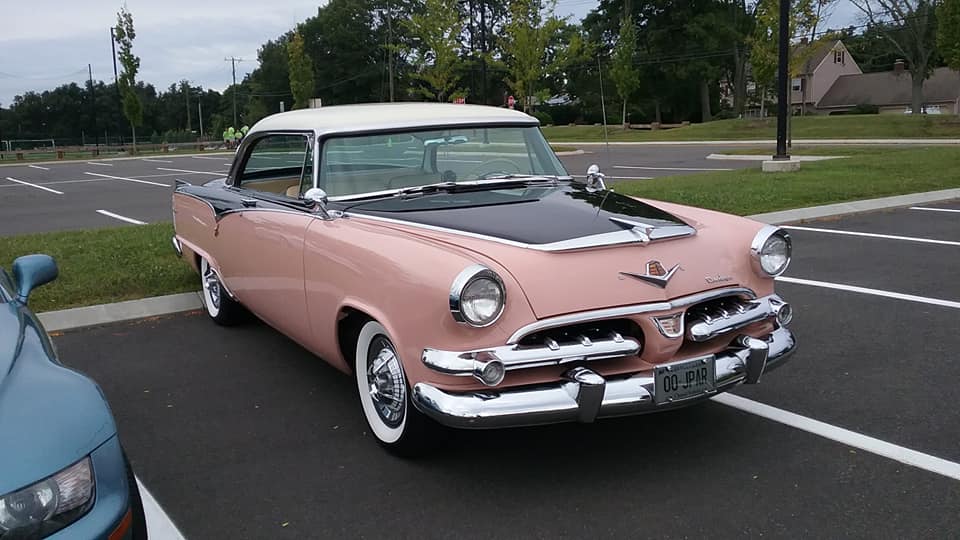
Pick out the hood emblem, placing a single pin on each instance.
(718, 279)
(656, 274)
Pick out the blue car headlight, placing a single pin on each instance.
(49, 505)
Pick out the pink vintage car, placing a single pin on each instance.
(443, 256)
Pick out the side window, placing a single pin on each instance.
(278, 164)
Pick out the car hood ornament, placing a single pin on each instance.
(656, 274)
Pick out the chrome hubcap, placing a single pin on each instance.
(212, 285)
(385, 382)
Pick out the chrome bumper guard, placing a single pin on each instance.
(177, 247)
(585, 395)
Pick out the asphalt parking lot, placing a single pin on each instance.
(240, 433)
(76, 195)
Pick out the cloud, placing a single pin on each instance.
(47, 43)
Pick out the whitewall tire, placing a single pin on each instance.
(385, 394)
(220, 306)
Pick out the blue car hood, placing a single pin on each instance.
(50, 416)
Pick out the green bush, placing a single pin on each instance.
(543, 117)
(865, 108)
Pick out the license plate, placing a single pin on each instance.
(684, 380)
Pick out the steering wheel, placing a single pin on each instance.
(494, 167)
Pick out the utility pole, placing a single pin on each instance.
(783, 84)
(483, 51)
(116, 83)
(390, 50)
(233, 64)
(113, 46)
(93, 105)
(186, 91)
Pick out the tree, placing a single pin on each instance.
(301, 72)
(436, 29)
(948, 32)
(132, 106)
(528, 34)
(623, 71)
(911, 29)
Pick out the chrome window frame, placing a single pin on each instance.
(246, 149)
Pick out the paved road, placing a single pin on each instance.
(92, 194)
(240, 433)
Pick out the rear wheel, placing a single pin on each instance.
(222, 309)
(385, 394)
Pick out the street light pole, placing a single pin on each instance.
(783, 84)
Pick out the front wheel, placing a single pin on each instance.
(222, 309)
(385, 395)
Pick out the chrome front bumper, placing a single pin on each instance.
(585, 395)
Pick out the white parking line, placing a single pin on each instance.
(209, 157)
(121, 218)
(101, 164)
(156, 160)
(935, 209)
(159, 524)
(191, 172)
(875, 292)
(875, 235)
(669, 168)
(128, 179)
(844, 436)
(618, 177)
(39, 167)
(34, 186)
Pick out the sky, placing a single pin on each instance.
(45, 43)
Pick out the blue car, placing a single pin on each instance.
(63, 473)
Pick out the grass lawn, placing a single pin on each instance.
(869, 126)
(867, 174)
(110, 265)
(104, 265)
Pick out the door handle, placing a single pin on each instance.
(248, 203)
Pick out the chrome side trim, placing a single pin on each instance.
(595, 240)
(626, 311)
(177, 247)
(513, 357)
(583, 395)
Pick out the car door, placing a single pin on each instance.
(260, 244)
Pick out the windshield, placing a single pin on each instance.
(371, 163)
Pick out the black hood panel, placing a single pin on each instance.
(534, 215)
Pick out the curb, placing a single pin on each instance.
(570, 153)
(764, 157)
(68, 319)
(754, 142)
(124, 158)
(855, 207)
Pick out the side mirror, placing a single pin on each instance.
(32, 271)
(316, 195)
(595, 178)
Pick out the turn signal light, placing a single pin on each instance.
(489, 370)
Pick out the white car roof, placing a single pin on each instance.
(388, 116)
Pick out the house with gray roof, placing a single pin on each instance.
(891, 91)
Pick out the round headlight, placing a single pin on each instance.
(771, 250)
(477, 296)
